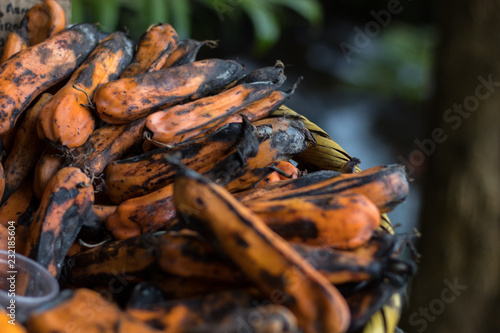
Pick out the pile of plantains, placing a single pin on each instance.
(171, 194)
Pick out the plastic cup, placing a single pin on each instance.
(24, 285)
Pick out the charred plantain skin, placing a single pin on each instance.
(45, 19)
(28, 73)
(181, 254)
(41, 21)
(382, 245)
(2, 179)
(187, 121)
(343, 221)
(155, 211)
(187, 255)
(84, 310)
(284, 170)
(184, 122)
(20, 207)
(127, 99)
(287, 184)
(153, 50)
(142, 174)
(265, 258)
(283, 138)
(222, 311)
(253, 112)
(17, 41)
(105, 145)
(101, 212)
(386, 186)
(66, 120)
(45, 168)
(364, 303)
(257, 110)
(65, 205)
(26, 149)
(140, 215)
(186, 52)
(341, 267)
(131, 258)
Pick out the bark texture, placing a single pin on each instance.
(460, 219)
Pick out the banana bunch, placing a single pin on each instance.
(168, 193)
(329, 155)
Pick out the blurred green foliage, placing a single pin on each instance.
(397, 63)
(135, 16)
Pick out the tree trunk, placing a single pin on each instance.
(457, 288)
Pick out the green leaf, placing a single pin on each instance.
(105, 13)
(132, 4)
(223, 8)
(77, 11)
(265, 24)
(154, 12)
(181, 17)
(309, 9)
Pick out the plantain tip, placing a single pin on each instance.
(211, 43)
(292, 89)
(350, 166)
(279, 64)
